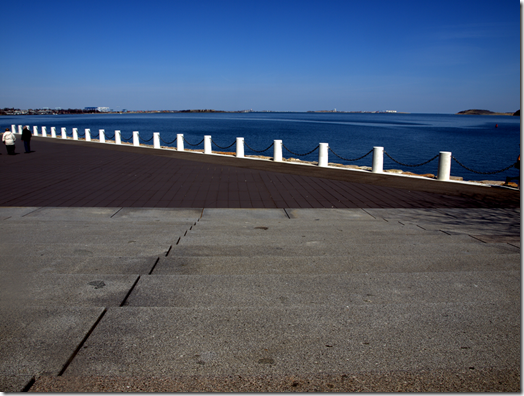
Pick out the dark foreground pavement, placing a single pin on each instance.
(68, 173)
(128, 269)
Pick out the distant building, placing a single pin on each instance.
(90, 108)
(104, 109)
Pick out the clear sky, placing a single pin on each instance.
(353, 55)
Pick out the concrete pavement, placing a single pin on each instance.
(397, 294)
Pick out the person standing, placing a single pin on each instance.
(26, 138)
(9, 139)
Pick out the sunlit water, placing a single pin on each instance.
(481, 143)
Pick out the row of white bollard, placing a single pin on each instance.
(444, 167)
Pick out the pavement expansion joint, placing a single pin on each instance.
(75, 352)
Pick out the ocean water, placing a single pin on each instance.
(480, 143)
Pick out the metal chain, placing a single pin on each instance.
(110, 137)
(193, 144)
(168, 143)
(301, 155)
(347, 159)
(413, 166)
(126, 140)
(223, 148)
(144, 140)
(482, 173)
(256, 151)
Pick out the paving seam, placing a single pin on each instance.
(75, 352)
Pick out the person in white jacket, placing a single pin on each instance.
(9, 139)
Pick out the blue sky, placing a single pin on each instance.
(412, 56)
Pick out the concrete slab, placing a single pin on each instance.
(37, 340)
(243, 214)
(334, 237)
(234, 265)
(15, 383)
(355, 338)
(334, 290)
(328, 214)
(107, 233)
(325, 248)
(478, 221)
(159, 214)
(7, 212)
(82, 250)
(81, 290)
(78, 265)
(72, 214)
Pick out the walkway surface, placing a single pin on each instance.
(134, 269)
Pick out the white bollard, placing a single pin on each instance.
(277, 150)
(53, 132)
(13, 128)
(156, 140)
(118, 137)
(180, 142)
(208, 148)
(64, 134)
(444, 165)
(35, 130)
(75, 133)
(240, 147)
(323, 154)
(20, 129)
(44, 131)
(102, 136)
(378, 160)
(136, 139)
(88, 135)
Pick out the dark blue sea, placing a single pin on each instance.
(480, 143)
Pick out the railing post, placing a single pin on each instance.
(75, 133)
(53, 132)
(240, 147)
(44, 131)
(64, 133)
(277, 150)
(136, 139)
(323, 154)
(156, 140)
(13, 128)
(118, 137)
(208, 149)
(88, 135)
(378, 159)
(180, 142)
(35, 130)
(444, 165)
(20, 129)
(101, 135)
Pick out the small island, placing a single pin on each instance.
(487, 112)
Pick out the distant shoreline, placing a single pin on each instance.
(487, 112)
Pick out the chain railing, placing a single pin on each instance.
(167, 143)
(409, 165)
(198, 144)
(144, 140)
(352, 159)
(98, 135)
(220, 147)
(301, 155)
(482, 173)
(257, 151)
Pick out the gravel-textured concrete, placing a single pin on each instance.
(150, 284)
